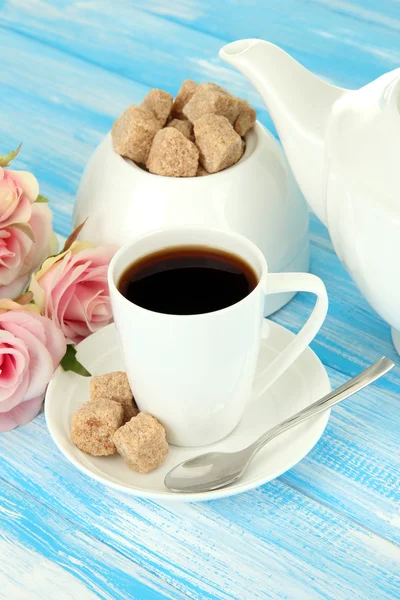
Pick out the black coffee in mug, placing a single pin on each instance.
(187, 280)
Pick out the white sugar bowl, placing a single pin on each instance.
(257, 197)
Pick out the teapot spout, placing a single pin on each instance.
(299, 104)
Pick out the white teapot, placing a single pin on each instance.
(344, 150)
(257, 197)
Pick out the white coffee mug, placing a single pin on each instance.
(195, 373)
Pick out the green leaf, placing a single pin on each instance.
(7, 158)
(41, 198)
(71, 363)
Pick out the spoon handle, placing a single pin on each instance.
(349, 388)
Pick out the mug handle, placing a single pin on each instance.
(294, 282)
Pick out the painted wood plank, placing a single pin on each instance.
(269, 543)
(347, 41)
(127, 41)
(355, 468)
(344, 42)
(26, 574)
(44, 556)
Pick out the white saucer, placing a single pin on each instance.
(304, 382)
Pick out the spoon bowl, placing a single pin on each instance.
(213, 470)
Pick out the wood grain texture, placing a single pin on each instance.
(345, 41)
(273, 542)
(26, 573)
(37, 528)
(68, 69)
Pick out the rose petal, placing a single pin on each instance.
(64, 284)
(65, 324)
(14, 247)
(9, 197)
(40, 223)
(48, 282)
(99, 310)
(55, 340)
(24, 319)
(28, 183)
(13, 392)
(72, 289)
(55, 259)
(41, 366)
(99, 256)
(74, 310)
(21, 414)
(13, 365)
(15, 288)
(15, 206)
(8, 367)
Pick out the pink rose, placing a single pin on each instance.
(31, 347)
(23, 248)
(72, 289)
(18, 190)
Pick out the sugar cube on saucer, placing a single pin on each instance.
(114, 386)
(142, 443)
(93, 426)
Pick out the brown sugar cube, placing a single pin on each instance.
(245, 119)
(93, 427)
(142, 443)
(220, 146)
(183, 96)
(211, 98)
(173, 155)
(159, 103)
(184, 126)
(201, 171)
(133, 132)
(114, 386)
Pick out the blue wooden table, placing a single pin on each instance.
(328, 528)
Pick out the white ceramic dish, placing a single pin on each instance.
(304, 382)
(258, 197)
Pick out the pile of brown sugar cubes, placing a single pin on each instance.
(198, 133)
(110, 422)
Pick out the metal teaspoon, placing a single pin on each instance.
(218, 469)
